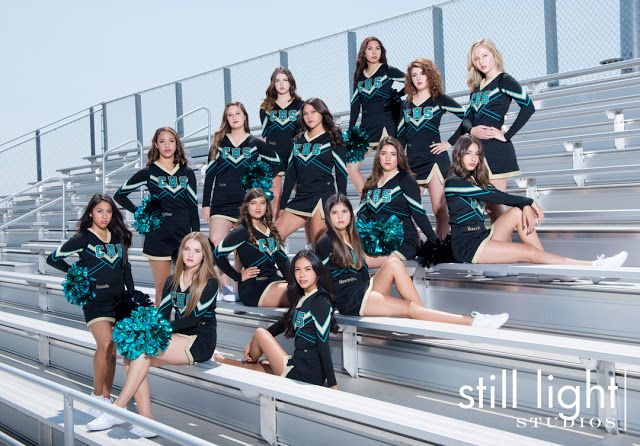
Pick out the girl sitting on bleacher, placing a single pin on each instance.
(191, 292)
(309, 320)
(358, 294)
(259, 250)
(467, 190)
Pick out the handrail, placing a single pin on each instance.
(104, 157)
(70, 395)
(35, 211)
(124, 166)
(208, 126)
(39, 183)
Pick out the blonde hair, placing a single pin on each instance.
(474, 77)
(202, 274)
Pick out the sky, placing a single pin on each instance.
(60, 57)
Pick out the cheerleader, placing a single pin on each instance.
(391, 189)
(233, 150)
(169, 180)
(491, 92)
(101, 243)
(279, 113)
(467, 190)
(259, 249)
(419, 133)
(372, 97)
(191, 292)
(309, 320)
(316, 153)
(357, 294)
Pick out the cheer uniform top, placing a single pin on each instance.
(399, 196)
(200, 325)
(176, 190)
(310, 169)
(488, 106)
(466, 203)
(311, 360)
(419, 128)
(227, 168)
(279, 127)
(350, 286)
(103, 260)
(266, 253)
(371, 96)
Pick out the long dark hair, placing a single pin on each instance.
(267, 219)
(361, 59)
(377, 171)
(295, 291)
(480, 175)
(179, 157)
(329, 125)
(341, 253)
(271, 94)
(226, 128)
(116, 226)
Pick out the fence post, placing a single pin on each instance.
(629, 32)
(179, 110)
(138, 102)
(226, 76)
(92, 131)
(438, 41)
(38, 157)
(551, 38)
(105, 140)
(352, 53)
(284, 59)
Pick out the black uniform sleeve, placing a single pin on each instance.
(324, 248)
(74, 245)
(194, 217)
(321, 315)
(401, 132)
(236, 238)
(509, 86)
(264, 120)
(282, 260)
(290, 179)
(207, 302)
(269, 156)
(210, 174)
(166, 304)
(277, 328)
(467, 120)
(356, 105)
(464, 188)
(447, 103)
(339, 155)
(411, 192)
(128, 278)
(395, 74)
(138, 180)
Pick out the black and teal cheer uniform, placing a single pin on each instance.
(177, 192)
(371, 97)
(488, 106)
(419, 128)
(104, 263)
(279, 128)
(466, 203)
(311, 360)
(310, 170)
(227, 168)
(266, 254)
(350, 286)
(200, 325)
(399, 196)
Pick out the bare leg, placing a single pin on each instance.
(353, 169)
(276, 296)
(161, 270)
(504, 226)
(394, 271)
(288, 223)
(276, 189)
(379, 304)
(377, 262)
(101, 332)
(439, 206)
(111, 371)
(142, 396)
(317, 228)
(218, 230)
(261, 343)
(496, 210)
(503, 252)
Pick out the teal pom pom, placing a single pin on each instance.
(77, 285)
(258, 174)
(356, 143)
(380, 237)
(148, 216)
(146, 331)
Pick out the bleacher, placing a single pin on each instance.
(398, 379)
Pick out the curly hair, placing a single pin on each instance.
(434, 80)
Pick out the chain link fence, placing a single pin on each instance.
(536, 37)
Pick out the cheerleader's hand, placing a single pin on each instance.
(206, 212)
(439, 147)
(245, 354)
(528, 219)
(498, 134)
(482, 132)
(249, 273)
(539, 213)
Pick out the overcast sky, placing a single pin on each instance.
(63, 56)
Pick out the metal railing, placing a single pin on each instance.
(111, 151)
(180, 119)
(43, 206)
(71, 395)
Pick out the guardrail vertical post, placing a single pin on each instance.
(105, 139)
(438, 40)
(268, 428)
(551, 38)
(352, 53)
(38, 157)
(179, 111)
(350, 350)
(68, 420)
(629, 30)
(138, 102)
(226, 78)
(92, 131)
(64, 208)
(284, 59)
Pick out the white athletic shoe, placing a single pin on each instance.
(611, 262)
(489, 320)
(94, 411)
(142, 432)
(103, 422)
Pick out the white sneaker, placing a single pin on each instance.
(489, 320)
(611, 262)
(103, 422)
(94, 411)
(142, 432)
